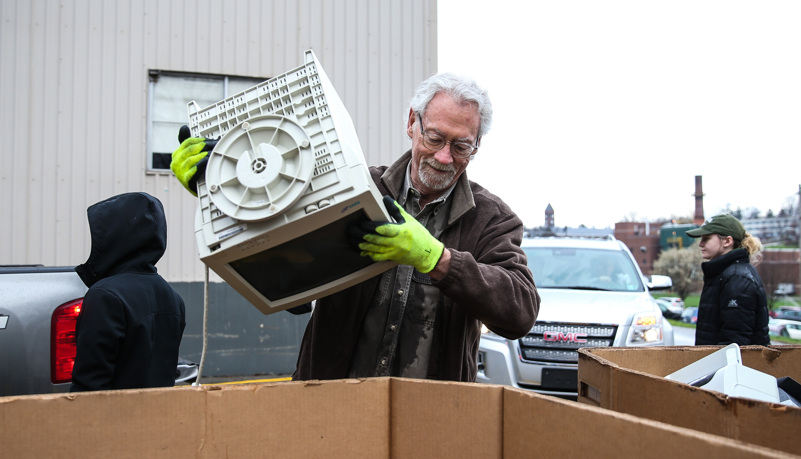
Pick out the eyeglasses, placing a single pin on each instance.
(435, 142)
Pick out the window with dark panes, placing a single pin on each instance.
(169, 93)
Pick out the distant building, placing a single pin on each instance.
(779, 266)
(647, 240)
(642, 239)
(548, 229)
(674, 235)
(773, 229)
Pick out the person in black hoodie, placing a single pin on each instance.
(733, 306)
(131, 323)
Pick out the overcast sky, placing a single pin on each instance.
(608, 110)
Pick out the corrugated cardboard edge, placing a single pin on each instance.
(446, 419)
(582, 430)
(612, 383)
(382, 417)
(288, 419)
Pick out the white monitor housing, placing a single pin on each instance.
(283, 184)
(723, 371)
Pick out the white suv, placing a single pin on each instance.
(593, 295)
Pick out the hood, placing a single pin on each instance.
(588, 306)
(128, 234)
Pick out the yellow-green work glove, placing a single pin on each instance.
(406, 242)
(189, 160)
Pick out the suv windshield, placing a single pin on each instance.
(579, 268)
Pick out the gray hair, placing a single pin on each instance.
(460, 88)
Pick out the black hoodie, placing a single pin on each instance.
(131, 323)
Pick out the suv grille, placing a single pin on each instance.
(558, 342)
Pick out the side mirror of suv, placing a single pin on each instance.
(659, 282)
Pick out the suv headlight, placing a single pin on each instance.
(646, 328)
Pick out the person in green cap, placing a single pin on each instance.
(733, 306)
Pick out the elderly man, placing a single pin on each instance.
(458, 249)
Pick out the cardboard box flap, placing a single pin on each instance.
(444, 419)
(299, 419)
(563, 427)
(631, 380)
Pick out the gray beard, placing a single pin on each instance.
(433, 180)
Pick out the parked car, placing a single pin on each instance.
(784, 289)
(690, 315)
(673, 300)
(593, 294)
(787, 312)
(786, 328)
(671, 307)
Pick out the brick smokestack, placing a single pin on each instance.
(698, 218)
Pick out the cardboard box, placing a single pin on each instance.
(631, 380)
(375, 418)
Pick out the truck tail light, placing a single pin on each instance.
(63, 344)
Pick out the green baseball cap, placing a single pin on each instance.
(724, 224)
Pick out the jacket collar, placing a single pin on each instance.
(716, 266)
(461, 196)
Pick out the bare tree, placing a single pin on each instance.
(790, 207)
(683, 266)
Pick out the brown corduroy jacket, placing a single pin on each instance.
(488, 282)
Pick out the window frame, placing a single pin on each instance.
(237, 82)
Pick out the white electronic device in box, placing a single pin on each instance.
(723, 371)
(284, 182)
(702, 370)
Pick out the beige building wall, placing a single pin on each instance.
(74, 98)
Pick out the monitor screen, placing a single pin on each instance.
(307, 262)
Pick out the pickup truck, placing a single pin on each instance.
(39, 307)
(38, 310)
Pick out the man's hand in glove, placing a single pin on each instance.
(406, 242)
(189, 160)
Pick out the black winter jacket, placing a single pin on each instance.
(733, 306)
(131, 323)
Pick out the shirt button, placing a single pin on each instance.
(400, 292)
(392, 327)
(383, 362)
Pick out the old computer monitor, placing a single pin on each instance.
(281, 187)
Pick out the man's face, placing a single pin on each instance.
(435, 171)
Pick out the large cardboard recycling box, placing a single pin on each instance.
(631, 380)
(372, 418)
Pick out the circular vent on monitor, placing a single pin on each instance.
(260, 168)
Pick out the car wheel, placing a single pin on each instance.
(785, 333)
